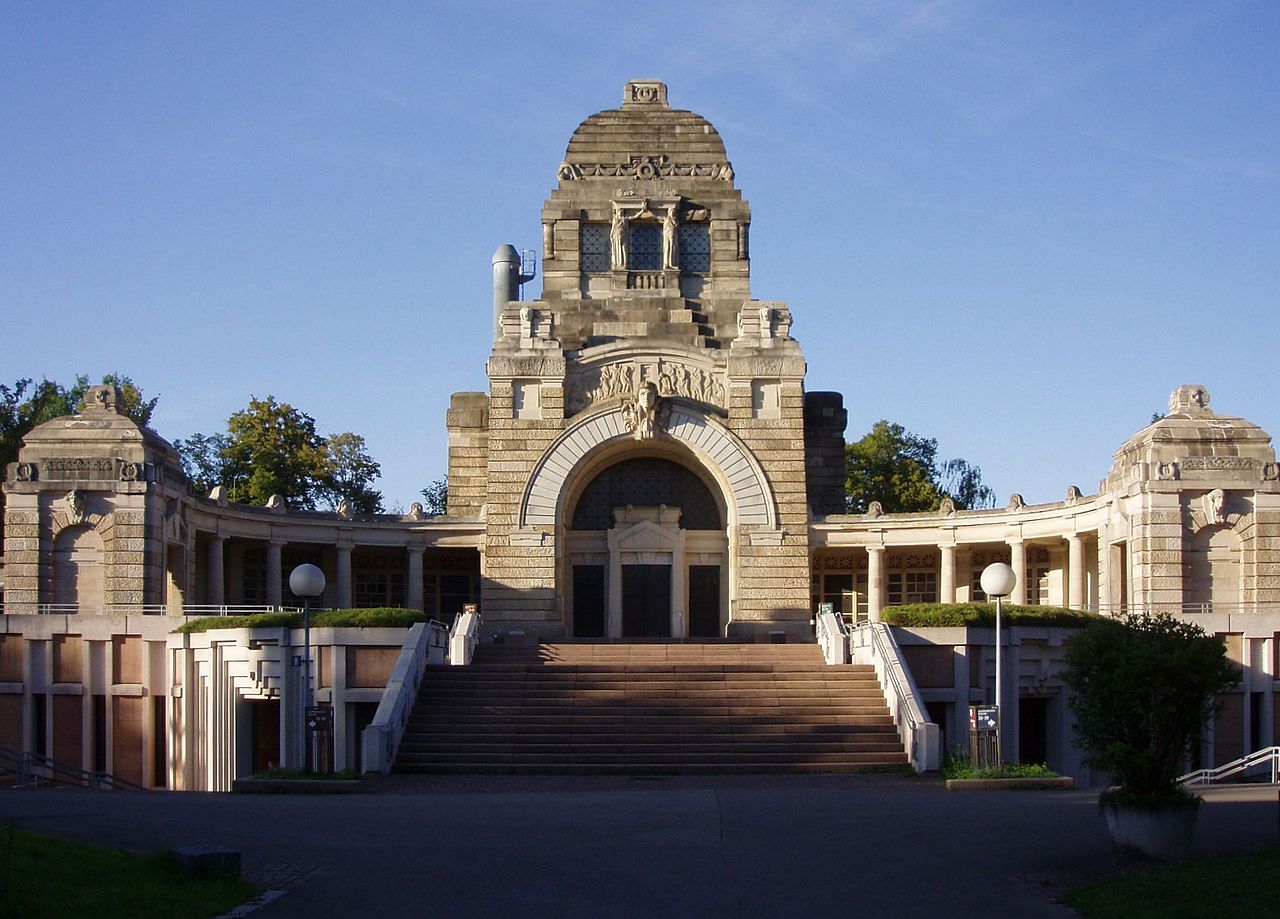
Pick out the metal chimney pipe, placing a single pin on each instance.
(506, 281)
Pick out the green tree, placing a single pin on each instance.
(202, 460)
(435, 498)
(273, 449)
(1141, 688)
(349, 472)
(901, 470)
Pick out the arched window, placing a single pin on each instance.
(647, 482)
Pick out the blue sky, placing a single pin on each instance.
(1014, 227)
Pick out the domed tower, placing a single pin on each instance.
(644, 433)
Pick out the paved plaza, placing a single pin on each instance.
(683, 846)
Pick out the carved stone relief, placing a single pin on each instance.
(646, 413)
(671, 378)
(644, 166)
(1215, 506)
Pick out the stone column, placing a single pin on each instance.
(947, 591)
(215, 590)
(275, 579)
(1104, 574)
(875, 582)
(343, 586)
(1018, 562)
(1075, 572)
(413, 577)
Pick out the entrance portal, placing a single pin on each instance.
(646, 601)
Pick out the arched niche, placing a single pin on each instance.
(1211, 568)
(77, 569)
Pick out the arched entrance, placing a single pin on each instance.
(77, 567)
(647, 549)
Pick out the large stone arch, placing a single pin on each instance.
(78, 575)
(724, 456)
(1212, 570)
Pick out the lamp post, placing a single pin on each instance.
(307, 582)
(998, 580)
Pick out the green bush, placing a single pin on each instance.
(939, 615)
(959, 767)
(382, 617)
(1141, 688)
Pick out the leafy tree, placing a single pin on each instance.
(435, 498)
(1141, 688)
(901, 470)
(348, 474)
(202, 460)
(274, 450)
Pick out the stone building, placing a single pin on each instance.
(645, 463)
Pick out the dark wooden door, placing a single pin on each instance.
(646, 601)
(704, 601)
(588, 601)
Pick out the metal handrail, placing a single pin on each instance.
(1243, 764)
(29, 764)
(922, 737)
(137, 609)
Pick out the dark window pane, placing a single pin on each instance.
(695, 248)
(646, 247)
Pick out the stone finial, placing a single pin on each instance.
(875, 509)
(276, 504)
(645, 92)
(344, 509)
(1016, 503)
(947, 507)
(1189, 399)
(1073, 494)
(415, 511)
(219, 494)
(102, 398)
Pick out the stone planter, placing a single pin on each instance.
(1056, 782)
(1164, 834)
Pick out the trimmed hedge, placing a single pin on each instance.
(942, 615)
(382, 617)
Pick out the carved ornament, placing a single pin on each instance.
(526, 366)
(1217, 463)
(671, 378)
(26, 472)
(1215, 506)
(1016, 503)
(75, 507)
(646, 413)
(645, 166)
(74, 467)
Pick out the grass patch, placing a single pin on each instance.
(1233, 886)
(383, 617)
(42, 876)
(947, 615)
(958, 767)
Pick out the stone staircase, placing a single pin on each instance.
(648, 707)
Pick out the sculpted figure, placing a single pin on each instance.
(75, 506)
(1215, 506)
(641, 413)
(670, 250)
(618, 237)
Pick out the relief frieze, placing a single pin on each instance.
(624, 380)
(76, 468)
(1217, 463)
(526, 366)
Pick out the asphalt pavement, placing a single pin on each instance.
(764, 846)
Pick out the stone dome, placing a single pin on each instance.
(645, 139)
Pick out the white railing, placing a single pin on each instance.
(380, 741)
(873, 643)
(464, 637)
(1184, 609)
(134, 609)
(1267, 756)
(833, 637)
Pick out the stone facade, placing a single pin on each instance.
(646, 461)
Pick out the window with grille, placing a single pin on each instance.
(645, 243)
(695, 248)
(377, 588)
(647, 482)
(254, 575)
(913, 587)
(595, 247)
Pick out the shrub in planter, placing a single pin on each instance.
(1141, 687)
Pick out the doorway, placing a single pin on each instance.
(646, 601)
(704, 601)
